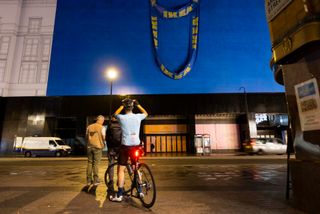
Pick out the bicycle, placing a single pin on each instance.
(139, 181)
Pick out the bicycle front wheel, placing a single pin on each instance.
(147, 186)
(111, 179)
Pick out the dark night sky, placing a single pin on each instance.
(89, 36)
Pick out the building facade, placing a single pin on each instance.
(171, 127)
(26, 32)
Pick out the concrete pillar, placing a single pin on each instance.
(305, 130)
(306, 122)
(295, 34)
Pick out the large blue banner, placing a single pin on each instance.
(233, 48)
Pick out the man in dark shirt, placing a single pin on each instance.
(113, 137)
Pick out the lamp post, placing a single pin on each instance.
(111, 74)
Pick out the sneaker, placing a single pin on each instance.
(141, 195)
(116, 198)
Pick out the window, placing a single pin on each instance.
(2, 70)
(4, 46)
(35, 64)
(36, 54)
(60, 142)
(31, 49)
(46, 49)
(43, 76)
(28, 73)
(34, 25)
(52, 143)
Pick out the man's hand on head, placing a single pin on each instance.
(136, 103)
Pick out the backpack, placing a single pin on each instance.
(113, 134)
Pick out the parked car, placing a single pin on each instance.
(41, 146)
(265, 146)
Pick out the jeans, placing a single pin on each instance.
(94, 157)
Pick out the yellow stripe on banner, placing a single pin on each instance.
(186, 70)
(155, 33)
(166, 71)
(176, 77)
(195, 24)
(194, 30)
(154, 25)
(194, 41)
(189, 9)
(183, 13)
(155, 41)
(165, 14)
(173, 15)
(195, 21)
(194, 38)
(154, 22)
(168, 14)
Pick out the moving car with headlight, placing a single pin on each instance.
(265, 146)
(41, 146)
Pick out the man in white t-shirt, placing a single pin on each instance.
(130, 127)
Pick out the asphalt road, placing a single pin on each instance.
(216, 184)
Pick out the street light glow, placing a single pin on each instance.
(112, 74)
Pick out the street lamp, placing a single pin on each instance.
(111, 74)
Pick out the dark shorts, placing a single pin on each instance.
(125, 153)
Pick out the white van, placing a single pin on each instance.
(41, 146)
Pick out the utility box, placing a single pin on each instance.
(202, 144)
(292, 24)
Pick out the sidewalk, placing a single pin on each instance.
(186, 184)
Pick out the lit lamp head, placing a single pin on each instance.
(112, 74)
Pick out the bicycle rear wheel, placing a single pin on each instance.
(111, 179)
(147, 186)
